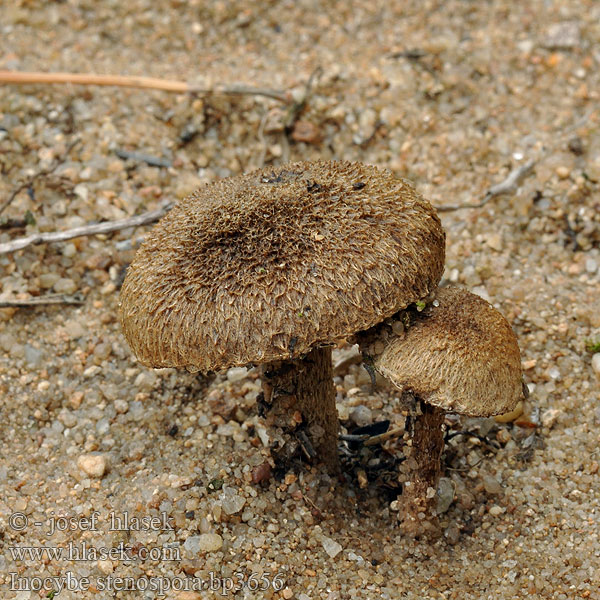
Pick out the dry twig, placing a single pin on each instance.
(519, 173)
(94, 229)
(149, 83)
(504, 187)
(298, 106)
(42, 301)
(382, 437)
(153, 161)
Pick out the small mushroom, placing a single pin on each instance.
(458, 354)
(272, 268)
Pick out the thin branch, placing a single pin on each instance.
(298, 106)
(517, 175)
(382, 437)
(95, 229)
(372, 440)
(153, 161)
(23, 186)
(504, 187)
(149, 83)
(42, 301)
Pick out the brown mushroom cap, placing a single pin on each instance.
(461, 355)
(265, 266)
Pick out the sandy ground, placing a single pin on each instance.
(453, 95)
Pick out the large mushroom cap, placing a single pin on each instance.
(265, 266)
(460, 355)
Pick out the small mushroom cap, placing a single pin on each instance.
(461, 355)
(265, 266)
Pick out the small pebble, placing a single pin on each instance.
(331, 546)
(91, 371)
(69, 250)
(209, 542)
(231, 502)
(361, 415)
(7, 341)
(596, 363)
(549, 417)
(494, 241)
(65, 286)
(93, 465)
(503, 436)
(47, 280)
(145, 381)
(261, 473)
(305, 131)
(554, 373)
(445, 492)
(591, 266)
(75, 329)
(33, 356)
(121, 406)
(565, 35)
(237, 374)
(452, 533)
(491, 485)
(136, 410)
(105, 566)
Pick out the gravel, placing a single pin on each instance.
(453, 96)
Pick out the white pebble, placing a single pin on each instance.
(69, 250)
(231, 502)
(105, 566)
(47, 280)
(591, 266)
(65, 286)
(236, 374)
(446, 492)
(209, 542)
(145, 381)
(91, 371)
(331, 546)
(596, 363)
(74, 329)
(554, 373)
(361, 415)
(192, 544)
(263, 435)
(491, 485)
(121, 406)
(82, 191)
(93, 465)
(549, 417)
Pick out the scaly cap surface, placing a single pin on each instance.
(265, 266)
(461, 355)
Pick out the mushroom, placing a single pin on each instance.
(272, 268)
(457, 354)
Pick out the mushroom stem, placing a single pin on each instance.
(419, 492)
(300, 392)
